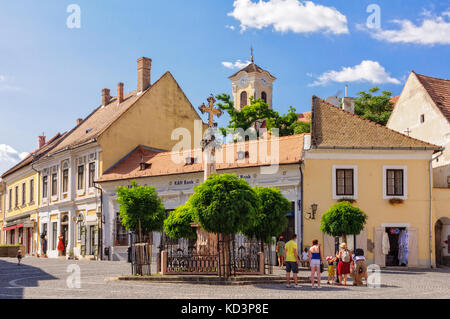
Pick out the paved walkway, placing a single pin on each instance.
(47, 278)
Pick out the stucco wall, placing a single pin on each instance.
(21, 209)
(149, 122)
(413, 102)
(413, 211)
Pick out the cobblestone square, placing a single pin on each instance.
(48, 278)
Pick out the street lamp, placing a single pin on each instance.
(312, 214)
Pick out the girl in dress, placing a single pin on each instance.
(60, 245)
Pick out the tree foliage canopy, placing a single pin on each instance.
(178, 223)
(224, 204)
(343, 219)
(288, 124)
(377, 108)
(140, 203)
(270, 220)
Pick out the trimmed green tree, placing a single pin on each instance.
(140, 208)
(178, 223)
(270, 220)
(343, 219)
(224, 204)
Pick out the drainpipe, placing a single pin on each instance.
(300, 205)
(430, 172)
(100, 235)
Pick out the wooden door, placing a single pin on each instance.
(380, 259)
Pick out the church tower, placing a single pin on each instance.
(251, 81)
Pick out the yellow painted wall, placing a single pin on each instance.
(27, 207)
(414, 210)
(149, 122)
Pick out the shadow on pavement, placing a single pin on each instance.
(14, 278)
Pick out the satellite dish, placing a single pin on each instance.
(334, 100)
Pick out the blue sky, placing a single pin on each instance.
(51, 75)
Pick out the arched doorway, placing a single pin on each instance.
(65, 232)
(442, 241)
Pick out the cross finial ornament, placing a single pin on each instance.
(252, 58)
(408, 131)
(211, 110)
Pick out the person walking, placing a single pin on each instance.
(292, 261)
(19, 257)
(360, 267)
(280, 251)
(315, 260)
(60, 245)
(345, 259)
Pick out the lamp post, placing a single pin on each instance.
(100, 227)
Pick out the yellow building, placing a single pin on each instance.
(386, 173)
(69, 199)
(2, 211)
(21, 199)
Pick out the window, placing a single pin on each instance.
(10, 199)
(264, 96)
(54, 184)
(91, 174)
(422, 118)
(79, 226)
(344, 182)
(65, 180)
(44, 186)
(243, 99)
(24, 190)
(80, 177)
(54, 235)
(16, 199)
(121, 232)
(32, 191)
(394, 182)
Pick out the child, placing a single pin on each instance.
(19, 256)
(305, 258)
(330, 260)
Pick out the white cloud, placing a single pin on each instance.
(9, 157)
(366, 71)
(289, 15)
(231, 27)
(5, 86)
(236, 65)
(433, 30)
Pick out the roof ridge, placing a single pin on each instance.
(375, 123)
(431, 77)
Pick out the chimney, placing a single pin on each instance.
(144, 67)
(41, 141)
(79, 121)
(120, 92)
(348, 104)
(105, 96)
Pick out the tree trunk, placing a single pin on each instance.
(227, 259)
(344, 238)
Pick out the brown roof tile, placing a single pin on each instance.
(35, 154)
(304, 117)
(252, 67)
(163, 163)
(333, 127)
(439, 91)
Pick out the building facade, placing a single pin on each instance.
(387, 174)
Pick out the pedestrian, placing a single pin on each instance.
(44, 246)
(280, 251)
(60, 244)
(360, 267)
(292, 261)
(331, 261)
(315, 260)
(345, 259)
(305, 258)
(19, 257)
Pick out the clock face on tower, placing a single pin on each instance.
(264, 81)
(243, 81)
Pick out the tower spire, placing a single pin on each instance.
(252, 58)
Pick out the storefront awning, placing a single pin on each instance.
(12, 227)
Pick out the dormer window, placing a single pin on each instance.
(143, 166)
(190, 160)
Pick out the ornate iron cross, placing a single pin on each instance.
(210, 110)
